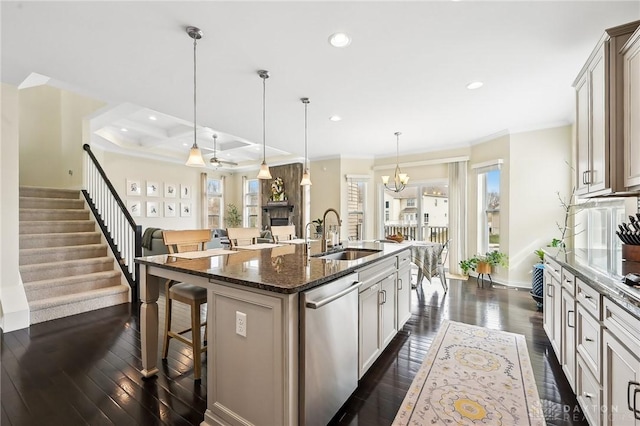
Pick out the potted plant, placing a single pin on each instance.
(232, 218)
(483, 263)
(318, 223)
(537, 279)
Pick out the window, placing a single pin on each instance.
(215, 202)
(489, 208)
(356, 190)
(251, 211)
(411, 202)
(596, 223)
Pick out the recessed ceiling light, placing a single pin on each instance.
(475, 85)
(185, 144)
(335, 118)
(123, 130)
(153, 118)
(339, 40)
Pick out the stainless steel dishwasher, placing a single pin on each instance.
(329, 349)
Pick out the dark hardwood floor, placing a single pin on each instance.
(85, 369)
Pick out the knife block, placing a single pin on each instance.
(630, 259)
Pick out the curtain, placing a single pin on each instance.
(457, 214)
(204, 213)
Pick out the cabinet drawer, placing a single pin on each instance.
(588, 393)
(569, 282)
(588, 340)
(622, 324)
(553, 268)
(377, 272)
(404, 259)
(588, 298)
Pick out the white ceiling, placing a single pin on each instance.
(405, 70)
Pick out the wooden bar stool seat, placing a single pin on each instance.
(189, 294)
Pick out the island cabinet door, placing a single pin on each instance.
(403, 293)
(252, 357)
(388, 309)
(369, 327)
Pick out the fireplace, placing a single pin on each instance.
(279, 221)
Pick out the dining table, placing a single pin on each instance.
(426, 256)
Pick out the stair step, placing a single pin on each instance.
(67, 268)
(57, 254)
(29, 241)
(67, 286)
(64, 306)
(53, 214)
(56, 226)
(31, 191)
(50, 203)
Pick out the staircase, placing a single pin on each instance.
(63, 261)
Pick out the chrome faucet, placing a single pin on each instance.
(307, 243)
(324, 234)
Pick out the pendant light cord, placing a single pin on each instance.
(264, 120)
(306, 104)
(195, 143)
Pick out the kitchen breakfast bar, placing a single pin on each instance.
(289, 334)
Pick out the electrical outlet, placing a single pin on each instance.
(241, 324)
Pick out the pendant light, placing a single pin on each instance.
(264, 169)
(306, 176)
(400, 179)
(195, 155)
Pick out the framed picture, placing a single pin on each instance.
(185, 209)
(169, 209)
(185, 191)
(170, 190)
(134, 207)
(133, 187)
(153, 189)
(152, 209)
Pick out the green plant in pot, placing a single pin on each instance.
(540, 254)
(483, 263)
(232, 218)
(318, 224)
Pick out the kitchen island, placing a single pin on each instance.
(256, 368)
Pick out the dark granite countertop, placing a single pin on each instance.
(606, 280)
(283, 269)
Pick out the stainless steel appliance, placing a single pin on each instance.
(329, 349)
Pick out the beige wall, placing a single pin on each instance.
(327, 188)
(14, 309)
(51, 136)
(539, 170)
(120, 167)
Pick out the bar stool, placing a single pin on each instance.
(194, 296)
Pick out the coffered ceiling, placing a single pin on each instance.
(406, 69)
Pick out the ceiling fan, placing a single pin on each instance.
(215, 162)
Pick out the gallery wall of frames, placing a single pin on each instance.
(159, 199)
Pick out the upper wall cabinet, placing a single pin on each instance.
(631, 111)
(599, 117)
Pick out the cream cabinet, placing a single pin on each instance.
(403, 289)
(552, 305)
(568, 339)
(376, 311)
(631, 111)
(599, 117)
(621, 366)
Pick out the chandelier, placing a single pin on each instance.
(399, 179)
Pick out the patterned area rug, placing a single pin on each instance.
(473, 376)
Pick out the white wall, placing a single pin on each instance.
(14, 309)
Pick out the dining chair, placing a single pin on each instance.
(242, 236)
(442, 259)
(280, 233)
(189, 294)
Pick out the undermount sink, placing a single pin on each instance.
(349, 254)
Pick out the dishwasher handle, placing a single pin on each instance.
(320, 303)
